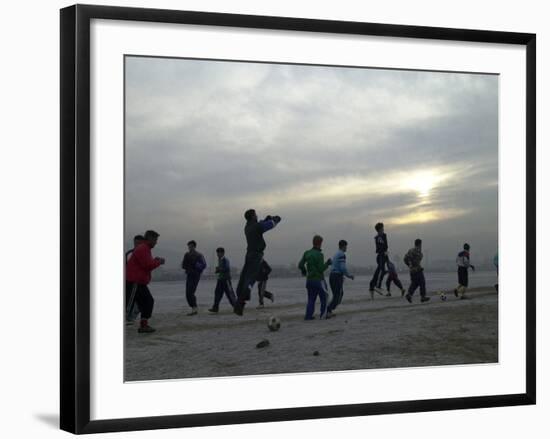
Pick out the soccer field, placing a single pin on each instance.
(382, 333)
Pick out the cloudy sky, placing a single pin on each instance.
(332, 150)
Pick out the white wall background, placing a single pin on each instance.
(29, 139)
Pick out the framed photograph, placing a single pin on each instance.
(273, 218)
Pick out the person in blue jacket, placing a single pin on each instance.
(336, 278)
(223, 285)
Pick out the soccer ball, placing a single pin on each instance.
(442, 295)
(274, 323)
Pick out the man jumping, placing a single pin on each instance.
(256, 245)
(381, 241)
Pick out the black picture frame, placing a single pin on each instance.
(75, 217)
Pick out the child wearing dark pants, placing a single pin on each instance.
(336, 277)
(142, 297)
(191, 284)
(138, 275)
(315, 288)
(413, 259)
(131, 305)
(393, 277)
(418, 280)
(194, 264)
(263, 276)
(248, 276)
(313, 266)
(256, 245)
(223, 286)
(336, 282)
(381, 241)
(463, 263)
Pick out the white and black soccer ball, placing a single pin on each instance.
(274, 323)
(442, 296)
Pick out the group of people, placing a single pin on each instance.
(140, 263)
(313, 266)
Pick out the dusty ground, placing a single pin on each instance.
(382, 333)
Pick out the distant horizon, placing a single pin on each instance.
(333, 150)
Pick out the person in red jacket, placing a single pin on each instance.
(138, 275)
(132, 310)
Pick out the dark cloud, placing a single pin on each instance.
(332, 150)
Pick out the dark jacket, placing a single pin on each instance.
(223, 270)
(381, 242)
(254, 232)
(193, 263)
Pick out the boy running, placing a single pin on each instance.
(392, 277)
(194, 264)
(463, 263)
(412, 259)
(138, 275)
(313, 266)
(132, 308)
(223, 285)
(381, 241)
(336, 277)
(138, 239)
(263, 276)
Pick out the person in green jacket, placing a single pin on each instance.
(313, 266)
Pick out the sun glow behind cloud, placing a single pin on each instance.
(341, 192)
(422, 216)
(344, 190)
(424, 181)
